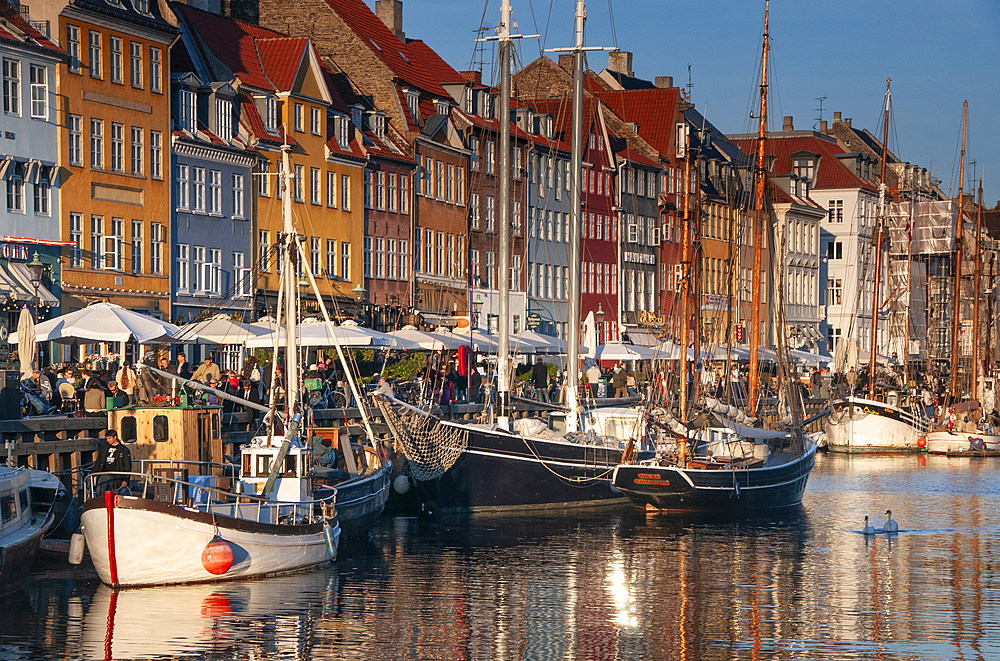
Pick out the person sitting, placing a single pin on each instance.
(94, 399)
(384, 387)
(118, 393)
(207, 371)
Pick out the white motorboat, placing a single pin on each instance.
(859, 425)
(947, 442)
(22, 526)
(192, 528)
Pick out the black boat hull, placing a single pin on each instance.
(360, 502)
(501, 471)
(674, 489)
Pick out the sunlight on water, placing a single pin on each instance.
(609, 583)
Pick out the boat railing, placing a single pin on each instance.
(212, 499)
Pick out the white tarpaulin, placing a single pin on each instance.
(929, 227)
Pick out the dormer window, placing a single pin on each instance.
(804, 167)
(270, 114)
(188, 115)
(531, 122)
(224, 118)
(470, 102)
(441, 107)
(379, 126)
(413, 103)
(342, 131)
(356, 116)
(141, 6)
(548, 127)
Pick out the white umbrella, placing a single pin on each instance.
(430, 341)
(220, 329)
(480, 343)
(26, 342)
(619, 351)
(528, 339)
(105, 322)
(809, 358)
(319, 334)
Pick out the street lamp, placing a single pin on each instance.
(477, 307)
(359, 293)
(37, 268)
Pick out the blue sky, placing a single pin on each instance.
(937, 53)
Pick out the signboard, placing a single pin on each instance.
(738, 332)
(533, 321)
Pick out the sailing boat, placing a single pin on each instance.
(865, 424)
(717, 464)
(527, 463)
(184, 527)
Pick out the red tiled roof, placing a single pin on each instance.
(281, 58)
(20, 30)
(654, 111)
(334, 85)
(385, 46)
(630, 154)
(411, 122)
(830, 171)
(251, 118)
(443, 72)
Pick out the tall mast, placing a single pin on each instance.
(686, 280)
(957, 290)
(503, 113)
(880, 224)
(291, 285)
(975, 301)
(758, 224)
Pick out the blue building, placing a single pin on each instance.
(213, 209)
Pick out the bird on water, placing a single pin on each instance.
(890, 525)
(868, 530)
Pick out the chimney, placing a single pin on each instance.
(823, 127)
(787, 126)
(664, 82)
(620, 61)
(848, 122)
(475, 77)
(390, 12)
(566, 62)
(836, 117)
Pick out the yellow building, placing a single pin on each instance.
(114, 152)
(283, 98)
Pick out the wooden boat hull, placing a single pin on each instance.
(501, 471)
(866, 426)
(723, 490)
(137, 542)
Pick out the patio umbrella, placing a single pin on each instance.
(105, 322)
(619, 351)
(527, 339)
(220, 329)
(319, 334)
(26, 342)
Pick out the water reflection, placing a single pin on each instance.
(610, 583)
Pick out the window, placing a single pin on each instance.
(379, 257)
(137, 150)
(314, 259)
(298, 116)
(459, 186)
(116, 59)
(449, 182)
(215, 192)
(188, 110)
(413, 103)
(439, 180)
(490, 270)
(97, 144)
(263, 180)
(94, 38)
(156, 248)
(113, 241)
(331, 258)
(474, 158)
(241, 276)
(183, 193)
(11, 87)
(42, 196)
(380, 191)
(15, 193)
(237, 196)
(404, 193)
(516, 165)
(299, 184)
(392, 195)
(76, 236)
(834, 291)
(214, 272)
(490, 213)
(516, 219)
(263, 249)
(345, 192)
(224, 118)
(141, 6)
(135, 52)
(156, 155)
(331, 190)
(136, 246)
(342, 131)
(368, 189)
(198, 189)
(183, 268)
(73, 47)
(117, 147)
(39, 92)
(836, 211)
(404, 259)
(835, 250)
(474, 210)
(198, 270)
(345, 260)
(439, 253)
(154, 69)
(450, 256)
(491, 153)
(270, 114)
(96, 241)
(75, 125)
(315, 120)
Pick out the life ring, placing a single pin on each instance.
(922, 442)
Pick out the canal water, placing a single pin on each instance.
(609, 583)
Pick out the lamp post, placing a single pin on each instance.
(477, 307)
(37, 268)
(599, 318)
(358, 291)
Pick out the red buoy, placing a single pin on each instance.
(922, 442)
(217, 557)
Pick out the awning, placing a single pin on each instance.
(437, 319)
(18, 281)
(642, 338)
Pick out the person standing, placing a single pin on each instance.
(206, 371)
(113, 459)
(816, 381)
(540, 378)
(619, 380)
(183, 367)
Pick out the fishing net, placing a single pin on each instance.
(430, 447)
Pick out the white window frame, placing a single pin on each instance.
(96, 143)
(135, 63)
(137, 150)
(315, 120)
(76, 236)
(136, 240)
(117, 147)
(155, 154)
(39, 78)
(94, 45)
(73, 48)
(215, 192)
(155, 70)
(238, 196)
(198, 190)
(183, 187)
(156, 248)
(115, 63)
(75, 125)
(183, 268)
(331, 189)
(11, 86)
(188, 116)
(224, 119)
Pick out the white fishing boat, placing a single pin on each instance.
(22, 523)
(860, 425)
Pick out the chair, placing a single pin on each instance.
(69, 400)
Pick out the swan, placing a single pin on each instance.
(890, 525)
(868, 530)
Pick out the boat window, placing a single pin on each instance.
(23, 497)
(160, 428)
(290, 465)
(129, 434)
(6, 508)
(619, 427)
(263, 465)
(247, 466)
(215, 426)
